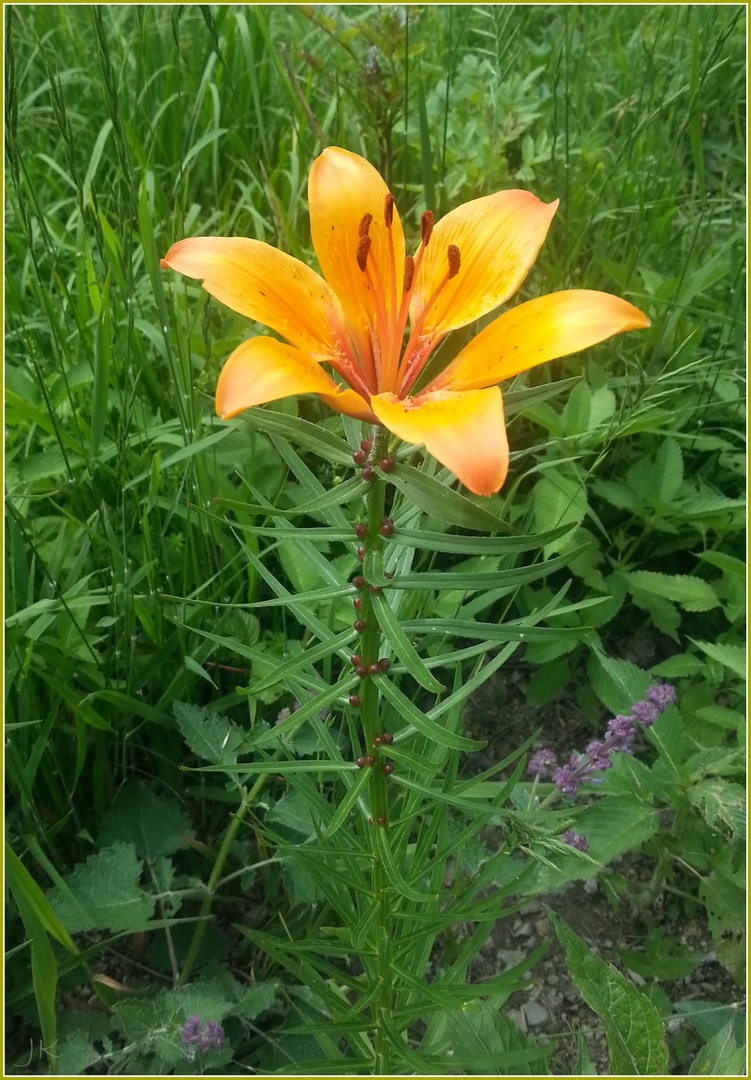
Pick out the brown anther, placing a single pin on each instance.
(361, 671)
(387, 738)
(359, 581)
(355, 660)
(361, 552)
(376, 740)
(455, 260)
(357, 603)
(354, 700)
(386, 464)
(387, 527)
(360, 457)
(362, 251)
(375, 589)
(373, 669)
(427, 221)
(365, 224)
(359, 625)
(387, 769)
(409, 272)
(380, 821)
(361, 530)
(368, 760)
(388, 210)
(367, 473)
(384, 663)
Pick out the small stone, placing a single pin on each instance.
(535, 1013)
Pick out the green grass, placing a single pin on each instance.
(129, 128)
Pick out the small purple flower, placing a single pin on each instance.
(212, 1037)
(208, 1036)
(190, 1031)
(542, 763)
(644, 712)
(620, 733)
(599, 755)
(575, 840)
(579, 770)
(661, 696)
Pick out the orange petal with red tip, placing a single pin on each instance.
(263, 284)
(465, 432)
(540, 330)
(498, 238)
(263, 369)
(343, 188)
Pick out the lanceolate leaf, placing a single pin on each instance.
(420, 722)
(635, 1032)
(401, 645)
(479, 545)
(442, 502)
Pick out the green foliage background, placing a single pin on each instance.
(128, 128)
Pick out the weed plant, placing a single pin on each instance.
(201, 873)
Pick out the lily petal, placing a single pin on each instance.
(539, 330)
(263, 369)
(464, 431)
(498, 238)
(343, 188)
(263, 284)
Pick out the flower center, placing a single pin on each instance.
(388, 369)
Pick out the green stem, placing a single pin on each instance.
(248, 797)
(370, 643)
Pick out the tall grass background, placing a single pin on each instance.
(128, 128)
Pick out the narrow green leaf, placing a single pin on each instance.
(305, 660)
(394, 875)
(102, 354)
(21, 881)
(442, 502)
(479, 545)
(402, 646)
(420, 722)
(310, 436)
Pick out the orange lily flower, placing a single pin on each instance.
(353, 319)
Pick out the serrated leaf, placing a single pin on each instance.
(103, 893)
(692, 593)
(730, 656)
(558, 500)
(292, 811)
(577, 410)
(667, 475)
(209, 736)
(483, 1040)
(634, 1030)
(617, 683)
(722, 1056)
(676, 666)
(721, 801)
(154, 824)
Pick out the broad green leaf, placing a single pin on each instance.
(481, 1039)
(105, 894)
(634, 1030)
(730, 656)
(442, 502)
(558, 500)
(692, 593)
(209, 736)
(722, 1056)
(667, 476)
(617, 683)
(153, 823)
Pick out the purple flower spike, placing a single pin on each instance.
(661, 696)
(599, 755)
(542, 763)
(620, 733)
(644, 712)
(575, 840)
(190, 1031)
